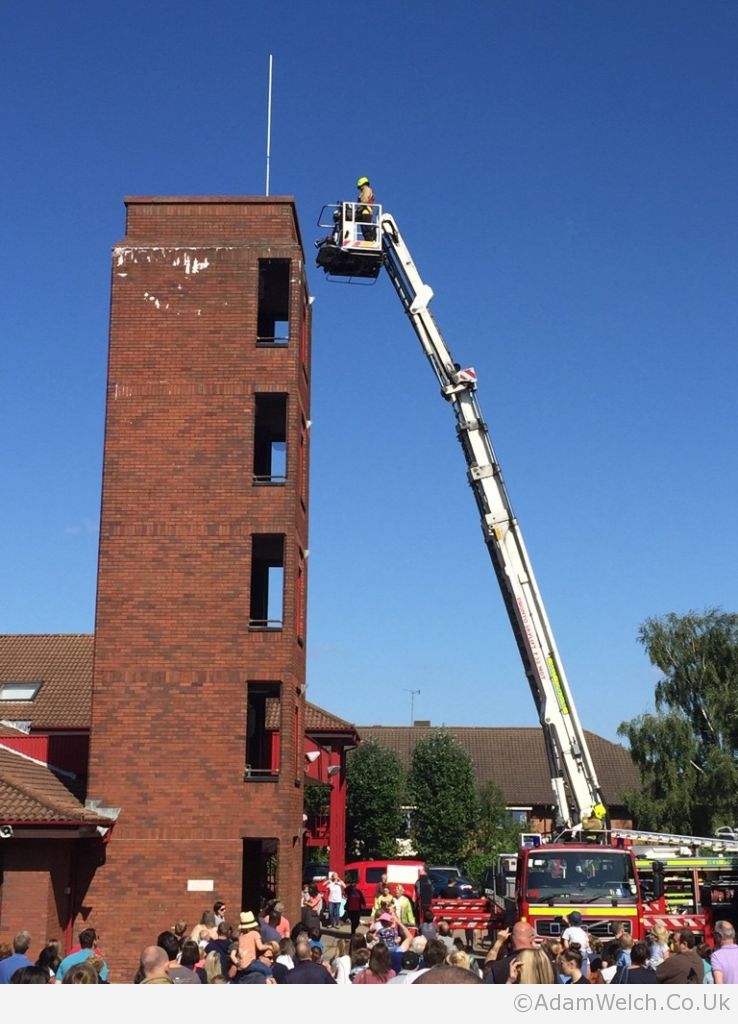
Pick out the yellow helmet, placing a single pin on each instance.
(362, 181)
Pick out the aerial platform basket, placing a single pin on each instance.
(354, 247)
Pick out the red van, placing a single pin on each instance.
(367, 874)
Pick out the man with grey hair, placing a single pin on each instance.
(305, 971)
(155, 964)
(724, 961)
(8, 966)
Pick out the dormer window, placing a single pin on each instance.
(19, 691)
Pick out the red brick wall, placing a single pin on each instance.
(35, 890)
(173, 649)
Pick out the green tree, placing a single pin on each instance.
(687, 749)
(316, 798)
(375, 783)
(316, 803)
(442, 791)
(495, 832)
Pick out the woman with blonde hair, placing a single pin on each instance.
(531, 967)
(460, 958)
(206, 931)
(342, 963)
(658, 949)
(214, 968)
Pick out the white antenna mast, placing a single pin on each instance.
(412, 702)
(269, 124)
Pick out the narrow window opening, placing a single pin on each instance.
(270, 439)
(272, 321)
(304, 334)
(303, 471)
(267, 581)
(259, 870)
(298, 740)
(300, 600)
(263, 727)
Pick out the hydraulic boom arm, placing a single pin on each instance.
(573, 777)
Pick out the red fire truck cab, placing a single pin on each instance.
(600, 882)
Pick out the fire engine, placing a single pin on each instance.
(696, 892)
(595, 871)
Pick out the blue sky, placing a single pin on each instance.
(565, 175)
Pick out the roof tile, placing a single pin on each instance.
(319, 720)
(35, 793)
(63, 662)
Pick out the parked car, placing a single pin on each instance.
(726, 832)
(448, 883)
(459, 886)
(367, 874)
(445, 869)
(439, 875)
(489, 882)
(314, 873)
(439, 879)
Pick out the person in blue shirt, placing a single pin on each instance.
(8, 966)
(87, 940)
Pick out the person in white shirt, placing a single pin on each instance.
(576, 935)
(342, 963)
(336, 888)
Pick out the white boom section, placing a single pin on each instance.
(714, 843)
(570, 761)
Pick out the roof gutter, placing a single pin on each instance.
(24, 829)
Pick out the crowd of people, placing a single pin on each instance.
(667, 958)
(385, 946)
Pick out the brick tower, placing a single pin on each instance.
(199, 670)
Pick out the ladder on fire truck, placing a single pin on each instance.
(360, 248)
(672, 839)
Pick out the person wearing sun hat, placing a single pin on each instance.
(249, 939)
(393, 933)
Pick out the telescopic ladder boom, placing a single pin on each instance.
(574, 780)
(693, 843)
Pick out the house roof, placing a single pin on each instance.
(515, 759)
(319, 720)
(63, 665)
(34, 793)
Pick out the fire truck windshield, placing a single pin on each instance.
(599, 875)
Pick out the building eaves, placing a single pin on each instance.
(35, 793)
(319, 720)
